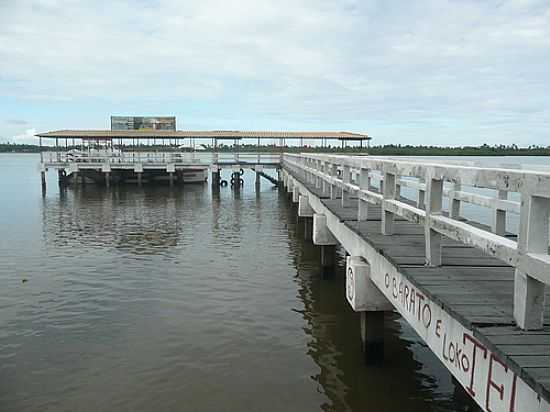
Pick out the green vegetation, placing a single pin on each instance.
(484, 150)
(386, 150)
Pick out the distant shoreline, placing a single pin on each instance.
(386, 150)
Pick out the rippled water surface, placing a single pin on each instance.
(178, 299)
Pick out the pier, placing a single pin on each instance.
(139, 156)
(474, 293)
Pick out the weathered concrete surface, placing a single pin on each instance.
(462, 309)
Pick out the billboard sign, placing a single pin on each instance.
(143, 123)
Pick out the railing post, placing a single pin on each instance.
(318, 179)
(498, 225)
(390, 190)
(326, 170)
(346, 178)
(333, 173)
(529, 293)
(397, 188)
(434, 190)
(421, 204)
(364, 184)
(455, 203)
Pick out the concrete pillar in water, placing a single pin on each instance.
(290, 186)
(43, 178)
(237, 181)
(236, 177)
(215, 176)
(62, 177)
(328, 261)
(306, 213)
(365, 297)
(171, 178)
(308, 228)
(323, 237)
(295, 193)
(106, 169)
(258, 179)
(372, 336)
(138, 170)
(75, 178)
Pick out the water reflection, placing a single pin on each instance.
(142, 221)
(335, 347)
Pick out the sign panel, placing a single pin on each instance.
(149, 123)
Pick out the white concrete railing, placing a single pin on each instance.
(134, 157)
(528, 255)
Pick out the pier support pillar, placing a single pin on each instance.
(308, 228)
(365, 297)
(328, 261)
(62, 177)
(306, 213)
(216, 177)
(290, 185)
(139, 180)
(295, 194)
(322, 236)
(107, 179)
(171, 178)
(236, 178)
(372, 336)
(257, 179)
(43, 179)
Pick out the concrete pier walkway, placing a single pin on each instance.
(465, 306)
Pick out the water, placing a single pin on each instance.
(179, 299)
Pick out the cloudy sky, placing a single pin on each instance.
(422, 72)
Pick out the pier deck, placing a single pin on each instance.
(463, 307)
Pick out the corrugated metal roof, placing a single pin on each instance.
(144, 134)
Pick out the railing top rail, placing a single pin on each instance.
(526, 181)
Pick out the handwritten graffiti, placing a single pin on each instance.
(485, 376)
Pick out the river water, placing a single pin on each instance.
(180, 299)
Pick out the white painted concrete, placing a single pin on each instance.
(362, 294)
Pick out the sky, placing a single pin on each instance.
(429, 72)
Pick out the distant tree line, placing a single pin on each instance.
(383, 150)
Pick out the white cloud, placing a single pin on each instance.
(26, 137)
(433, 68)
